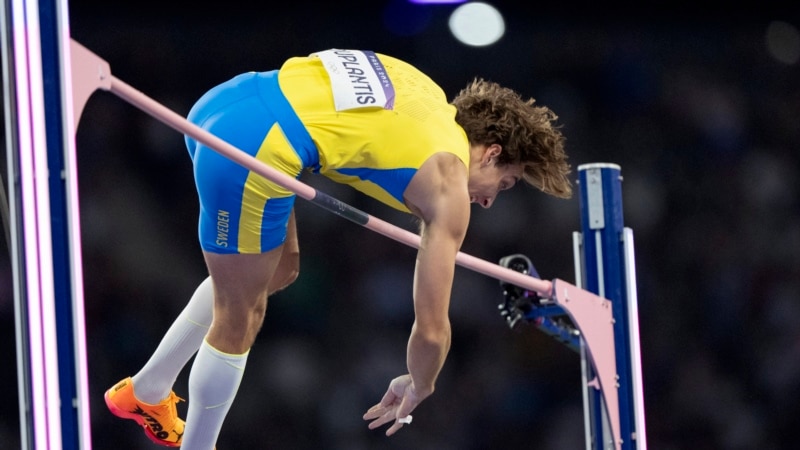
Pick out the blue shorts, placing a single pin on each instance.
(240, 211)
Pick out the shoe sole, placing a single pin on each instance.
(139, 420)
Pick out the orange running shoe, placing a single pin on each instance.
(160, 422)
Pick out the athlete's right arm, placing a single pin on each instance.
(438, 195)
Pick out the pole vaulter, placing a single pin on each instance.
(591, 313)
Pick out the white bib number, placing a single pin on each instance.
(358, 79)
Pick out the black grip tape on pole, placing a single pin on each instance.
(340, 208)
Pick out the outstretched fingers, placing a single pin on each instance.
(396, 405)
(380, 415)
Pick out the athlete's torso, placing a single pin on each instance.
(374, 150)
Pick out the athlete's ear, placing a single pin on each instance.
(490, 152)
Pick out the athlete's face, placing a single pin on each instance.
(487, 178)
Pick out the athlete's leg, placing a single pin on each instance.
(147, 397)
(154, 381)
(234, 229)
(289, 266)
(248, 236)
(240, 302)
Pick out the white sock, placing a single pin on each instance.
(213, 383)
(154, 381)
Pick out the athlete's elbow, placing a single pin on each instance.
(436, 334)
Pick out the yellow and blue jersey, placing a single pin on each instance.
(375, 150)
(293, 120)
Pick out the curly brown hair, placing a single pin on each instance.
(492, 114)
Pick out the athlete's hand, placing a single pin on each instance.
(398, 403)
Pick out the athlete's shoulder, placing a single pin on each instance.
(296, 60)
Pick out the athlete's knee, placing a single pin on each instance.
(258, 313)
(287, 273)
(236, 324)
(284, 282)
(292, 271)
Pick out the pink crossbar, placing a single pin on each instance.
(103, 79)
